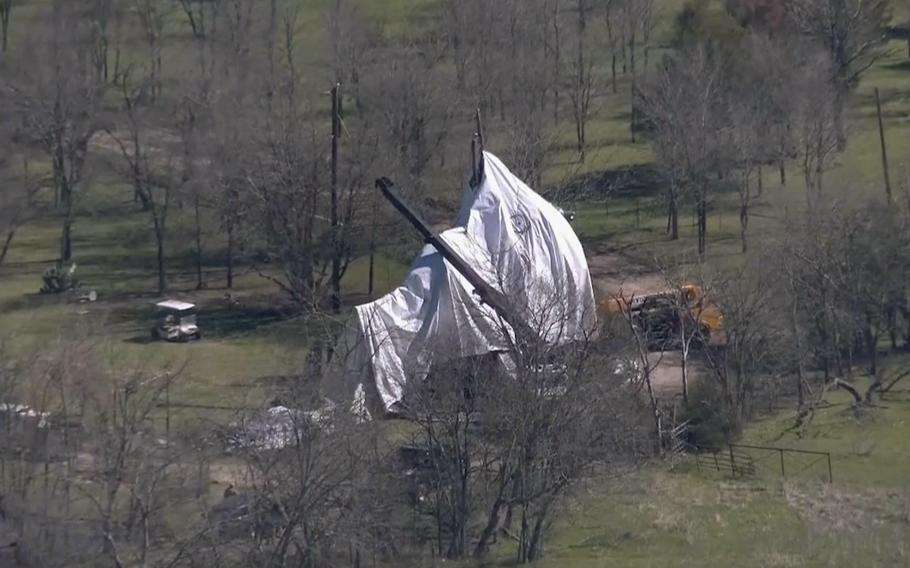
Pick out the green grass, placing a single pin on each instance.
(652, 518)
(660, 518)
(115, 256)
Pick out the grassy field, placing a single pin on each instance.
(653, 518)
(661, 518)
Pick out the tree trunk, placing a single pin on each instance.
(655, 409)
(872, 339)
(849, 388)
(581, 84)
(230, 255)
(4, 24)
(536, 537)
(702, 214)
(556, 62)
(743, 225)
(483, 543)
(684, 366)
(613, 72)
(6, 243)
(333, 214)
(840, 118)
(633, 114)
(673, 217)
(200, 282)
(798, 344)
(159, 242)
(66, 238)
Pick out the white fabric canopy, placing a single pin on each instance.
(521, 245)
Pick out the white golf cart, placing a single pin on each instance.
(176, 322)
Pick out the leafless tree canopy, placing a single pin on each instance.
(246, 135)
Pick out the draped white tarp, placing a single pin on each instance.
(514, 239)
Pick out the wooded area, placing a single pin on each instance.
(238, 141)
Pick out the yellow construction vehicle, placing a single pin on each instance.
(657, 315)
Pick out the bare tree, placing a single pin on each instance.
(305, 472)
(106, 22)
(850, 31)
(57, 96)
(152, 17)
(16, 205)
(611, 14)
(751, 338)
(352, 41)
(638, 23)
(751, 106)
(415, 117)
(581, 87)
(285, 178)
(687, 133)
(642, 338)
(816, 126)
(506, 435)
(122, 432)
(201, 15)
(6, 9)
(153, 186)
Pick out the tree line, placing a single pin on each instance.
(234, 118)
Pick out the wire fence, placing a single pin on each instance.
(743, 460)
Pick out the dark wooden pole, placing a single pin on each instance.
(336, 259)
(881, 136)
(372, 250)
(474, 175)
(479, 135)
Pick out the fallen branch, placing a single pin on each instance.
(883, 389)
(838, 383)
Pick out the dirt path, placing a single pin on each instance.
(614, 274)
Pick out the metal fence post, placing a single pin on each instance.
(782, 474)
(830, 477)
(732, 461)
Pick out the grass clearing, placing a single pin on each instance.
(652, 518)
(659, 518)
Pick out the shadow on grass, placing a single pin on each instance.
(626, 182)
(899, 66)
(142, 339)
(217, 321)
(31, 301)
(227, 321)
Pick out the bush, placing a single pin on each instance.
(711, 425)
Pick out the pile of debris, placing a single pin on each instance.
(58, 280)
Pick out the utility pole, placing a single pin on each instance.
(881, 136)
(477, 161)
(372, 249)
(333, 217)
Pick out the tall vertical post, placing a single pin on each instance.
(167, 411)
(372, 249)
(479, 136)
(333, 218)
(474, 174)
(881, 136)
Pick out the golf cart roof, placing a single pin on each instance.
(175, 305)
